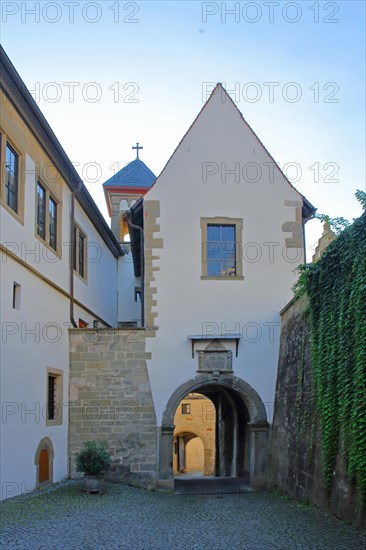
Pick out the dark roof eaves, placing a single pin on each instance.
(19, 95)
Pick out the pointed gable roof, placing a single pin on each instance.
(308, 210)
(134, 175)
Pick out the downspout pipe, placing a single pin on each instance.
(71, 273)
(72, 253)
(142, 258)
(71, 259)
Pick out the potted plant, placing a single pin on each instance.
(93, 459)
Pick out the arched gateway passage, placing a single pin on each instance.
(241, 429)
(189, 453)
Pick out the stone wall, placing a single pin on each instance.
(110, 399)
(296, 444)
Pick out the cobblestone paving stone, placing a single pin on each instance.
(62, 517)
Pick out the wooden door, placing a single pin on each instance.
(44, 466)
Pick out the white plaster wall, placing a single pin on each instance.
(39, 340)
(99, 291)
(185, 302)
(128, 309)
(25, 357)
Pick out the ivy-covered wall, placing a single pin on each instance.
(318, 449)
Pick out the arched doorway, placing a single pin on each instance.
(195, 455)
(44, 461)
(194, 436)
(189, 454)
(241, 441)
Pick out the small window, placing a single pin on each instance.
(16, 295)
(12, 178)
(12, 172)
(79, 253)
(47, 217)
(54, 396)
(82, 323)
(52, 209)
(137, 294)
(186, 408)
(41, 211)
(221, 248)
(124, 234)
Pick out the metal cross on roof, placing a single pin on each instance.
(137, 149)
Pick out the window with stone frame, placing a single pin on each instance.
(54, 397)
(12, 178)
(221, 248)
(79, 251)
(41, 211)
(52, 222)
(12, 172)
(47, 217)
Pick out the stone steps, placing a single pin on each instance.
(210, 485)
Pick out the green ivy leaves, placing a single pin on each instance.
(336, 286)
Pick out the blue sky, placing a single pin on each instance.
(140, 72)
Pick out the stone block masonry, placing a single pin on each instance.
(153, 244)
(296, 445)
(110, 399)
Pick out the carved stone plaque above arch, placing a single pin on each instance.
(215, 358)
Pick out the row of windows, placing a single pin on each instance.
(221, 240)
(48, 214)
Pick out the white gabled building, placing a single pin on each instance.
(222, 232)
(56, 249)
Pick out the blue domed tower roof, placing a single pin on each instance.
(130, 183)
(134, 175)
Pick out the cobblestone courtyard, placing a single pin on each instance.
(125, 517)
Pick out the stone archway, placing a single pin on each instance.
(44, 461)
(242, 429)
